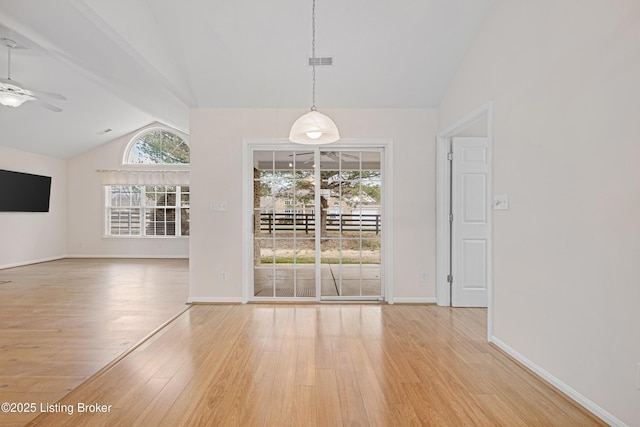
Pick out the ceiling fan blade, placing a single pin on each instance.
(47, 94)
(301, 154)
(48, 106)
(12, 82)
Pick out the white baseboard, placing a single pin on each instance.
(563, 387)
(33, 261)
(214, 300)
(410, 300)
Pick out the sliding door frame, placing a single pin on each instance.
(249, 145)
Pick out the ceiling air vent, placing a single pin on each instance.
(328, 60)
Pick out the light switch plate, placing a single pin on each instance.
(501, 202)
(218, 206)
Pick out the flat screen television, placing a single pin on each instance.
(24, 192)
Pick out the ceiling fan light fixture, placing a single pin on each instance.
(14, 100)
(314, 128)
(13, 94)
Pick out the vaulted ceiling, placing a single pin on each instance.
(125, 64)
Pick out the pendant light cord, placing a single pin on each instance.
(313, 54)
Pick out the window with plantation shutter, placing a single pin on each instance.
(147, 210)
(149, 201)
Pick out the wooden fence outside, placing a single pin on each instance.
(306, 222)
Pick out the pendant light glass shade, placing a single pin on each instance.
(314, 128)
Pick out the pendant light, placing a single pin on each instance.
(314, 128)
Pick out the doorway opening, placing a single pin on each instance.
(453, 247)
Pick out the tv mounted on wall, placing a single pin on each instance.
(24, 192)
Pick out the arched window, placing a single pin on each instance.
(158, 147)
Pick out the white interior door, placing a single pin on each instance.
(470, 232)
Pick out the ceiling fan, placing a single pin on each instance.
(13, 94)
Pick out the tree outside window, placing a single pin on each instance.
(159, 147)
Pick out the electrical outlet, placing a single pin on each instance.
(223, 275)
(424, 277)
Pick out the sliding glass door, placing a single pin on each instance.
(317, 224)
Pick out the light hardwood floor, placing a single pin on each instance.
(62, 321)
(320, 365)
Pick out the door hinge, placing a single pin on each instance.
(450, 217)
(450, 278)
(449, 156)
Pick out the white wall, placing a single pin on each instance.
(216, 175)
(86, 210)
(564, 77)
(27, 237)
